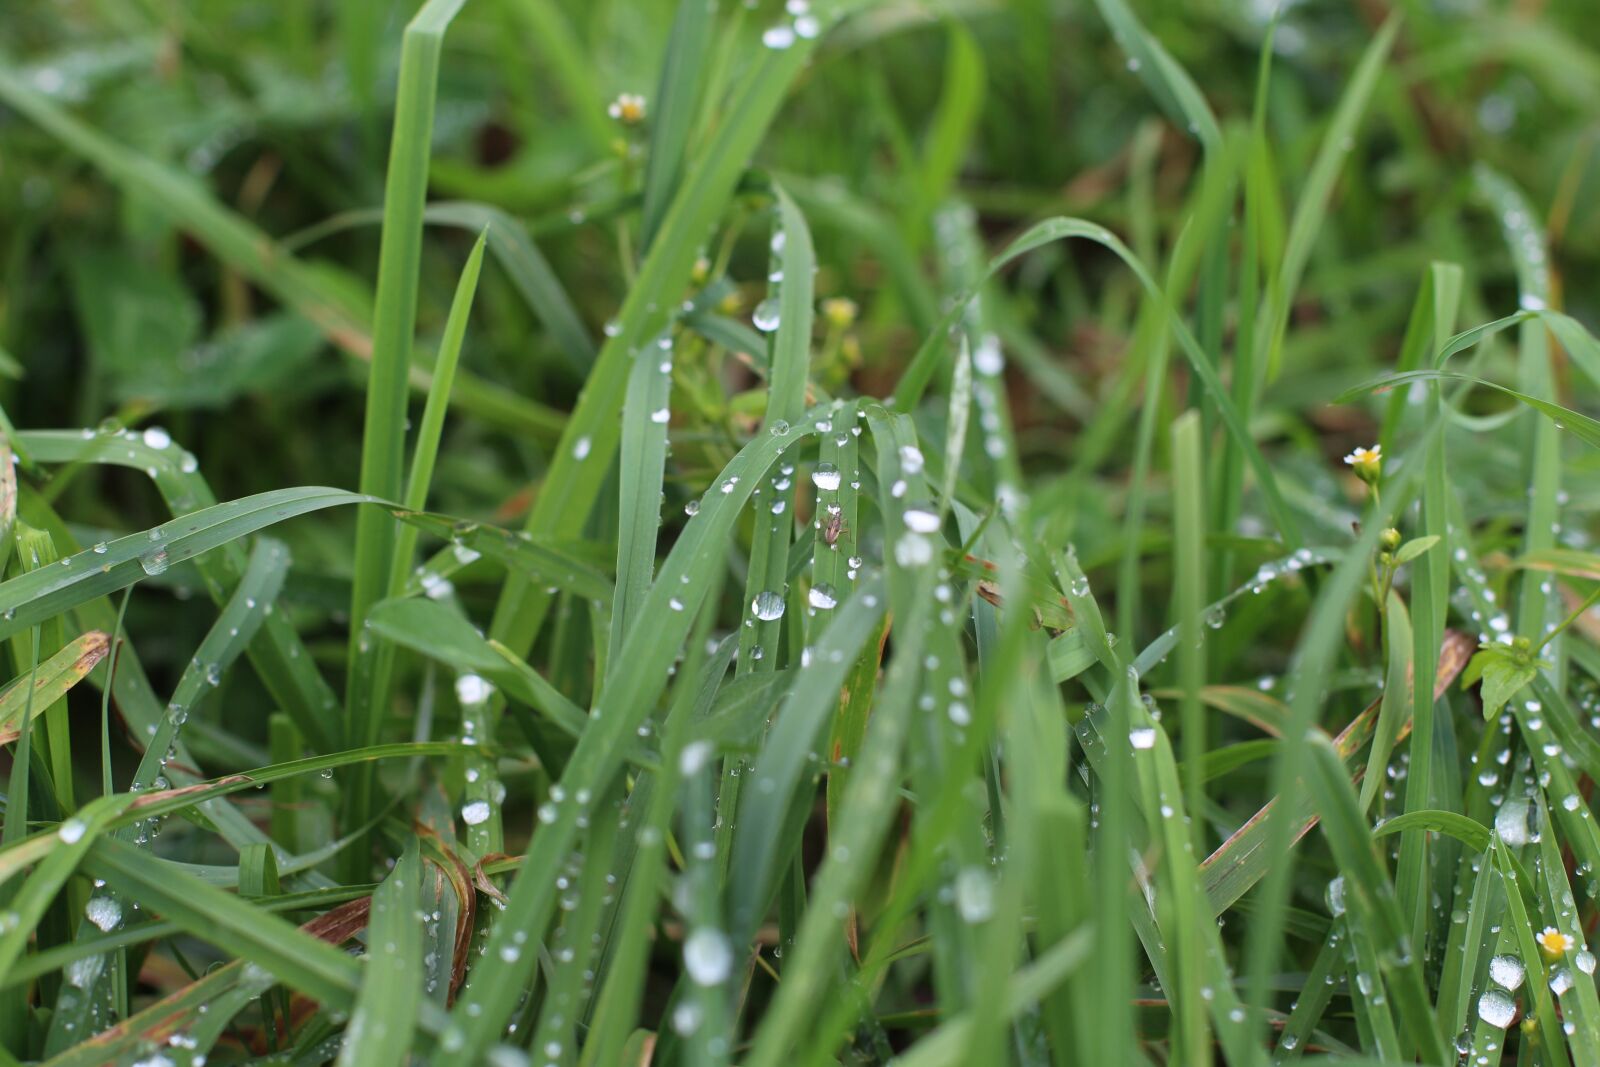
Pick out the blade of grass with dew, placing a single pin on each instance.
(789, 356)
(646, 413)
(869, 798)
(1313, 662)
(1376, 909)
(491, 994)
(391, 982)
(235, 625)
(38, 595)
(1428, 609)
(921, 368)
(384, 432)
(1535, 377)
(592, 434)
(779, 769)
(279, 655)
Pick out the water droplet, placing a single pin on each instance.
(104, 912)
(1515, 823)
(974, 895)
(580, 448)
(1496, 1008)
(72, 830)
(1143, 737)
(768, 606)
(156, 437)
(921, 518)
(475, 813)
(473, 689)
(913, 550)
(1334, 895)
(707, 957)
(154, 562)
(822, 597)
(911, 459)
(778, 38)
(1507, 971)
(779, 428)
(826, 477)
(692, 508)
(766, 315)
(661, 416)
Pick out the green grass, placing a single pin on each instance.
(854, 564)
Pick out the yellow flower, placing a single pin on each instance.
(1553, 943)
(627, 108)
(1367, 463)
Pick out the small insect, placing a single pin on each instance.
(833, 527)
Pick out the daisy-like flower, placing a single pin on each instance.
(1367, 463)
(627, 108)
(1553, 943)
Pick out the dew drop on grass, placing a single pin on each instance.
(1585, 961)
(822, 597)
(1143, 737)
(778, 38)
(154, 563)
(911, 460)
(475, 812)
(1507, 971)
(1496, 1008)
(1514, 822)
(913, 550)
(921, 519)
(580, 448)
(974, 895)
(72, 831)
(661, 416)
(692, 508)
(768, 606)
(766, 315)
(1335, 896)
(826, 477)
(779, 428)
(104, 912)
(707, 957)
(473, 689)
(156, 437)
(1560, 981)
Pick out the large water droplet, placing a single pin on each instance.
(1496, 1008)
(1142, 737)
(921, 518)
(765, 317)
(826, 477)
(104, 912)
(1515, 823)
(974, 894)
(822, 597)
(707, 957)
(475, 813)
(1335, 896)
(154, 562)
(1507, 971)
(156, 437)
(473, 689)
(768, 606)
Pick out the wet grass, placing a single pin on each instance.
(1016, 535)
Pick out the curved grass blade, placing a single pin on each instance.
(38, 595)
(228, 636)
